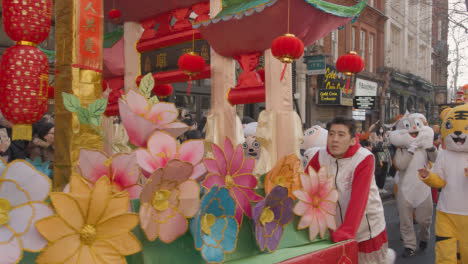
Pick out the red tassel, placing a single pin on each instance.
(189, 85)
(347, 84)
(284, 71)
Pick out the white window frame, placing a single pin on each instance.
(439, 29)
(362, 44)
(334, 45)
(353, 38)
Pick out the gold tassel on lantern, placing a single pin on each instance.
(22, 132)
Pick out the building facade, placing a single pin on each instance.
(440, 62)
(408, 58)
(366, 36)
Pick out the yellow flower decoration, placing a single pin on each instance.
(92, 225)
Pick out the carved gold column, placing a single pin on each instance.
(279, 128)
(74, 76)
(222, 121)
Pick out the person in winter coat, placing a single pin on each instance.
(360, 213)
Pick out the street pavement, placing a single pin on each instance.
(393, 231)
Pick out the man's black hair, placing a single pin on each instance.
(342, 120)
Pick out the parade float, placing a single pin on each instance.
(163, 201)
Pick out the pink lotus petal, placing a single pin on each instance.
(247, 167)
(213, 179)
(163, 147)
(189, 198)
(241, 199)
(322, 222)
(150, 227)
(235, 163)
(246, 180)
(134, 191)
(146, 161)
(220, 159)
(172, 229)
(162, 113)
(250, 194)
(137, 102)
(301, 208)
(306, 182)
(91, 164)
(303, 196)
(313, 228)
(138, 128)
(228, 149)
(125, 169)
(332, 196)
(328, 207)
(198, 172)
(330, 221)
(315, 183)
(175, 128)
(325, 187)
(306, 219)
(191, 151)
(212, 166)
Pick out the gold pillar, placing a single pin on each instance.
(86, 84)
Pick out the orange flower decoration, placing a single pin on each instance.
(286, 173)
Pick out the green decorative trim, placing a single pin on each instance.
(112, 37)
(244, 7)
(49, 53)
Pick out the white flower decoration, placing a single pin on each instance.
(23, 191)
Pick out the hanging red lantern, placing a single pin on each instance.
(24, 69)
(287, 48)
(163, 90)
(50, 92)
(23, 88)
(192, 64)
(350, 63)
(27, 20)
(114, 14)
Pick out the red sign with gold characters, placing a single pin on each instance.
(90, 34)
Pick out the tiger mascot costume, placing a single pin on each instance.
(450, 173)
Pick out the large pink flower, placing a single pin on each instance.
(141, 119)
(122, 170)
(167, 200)
(317, 203)
(162, 148)
(229, 169)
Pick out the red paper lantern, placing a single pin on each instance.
(163, 90)
(350, 63)
(24, 73)
(114, 14)
(287, 48)
(192, 64)
(27, 20)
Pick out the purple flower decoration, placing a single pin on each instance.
(270, 216)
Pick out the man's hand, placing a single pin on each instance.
(425, 172)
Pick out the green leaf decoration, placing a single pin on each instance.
(83, 116)
(147, 85)
(98, 107)
(71, 102)
(154, 100)
(95, 121)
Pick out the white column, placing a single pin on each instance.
(132, 33)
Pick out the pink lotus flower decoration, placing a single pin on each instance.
(229, 169)
(141, 119)
(317, 203)
(162, 147)
(167, 200)
(122, 170)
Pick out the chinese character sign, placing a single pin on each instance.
(89, 34)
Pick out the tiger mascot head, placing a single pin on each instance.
(454, 129)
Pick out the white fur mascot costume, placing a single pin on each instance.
(414, 140)
(314, 138)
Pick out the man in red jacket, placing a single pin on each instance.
(360, 213)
